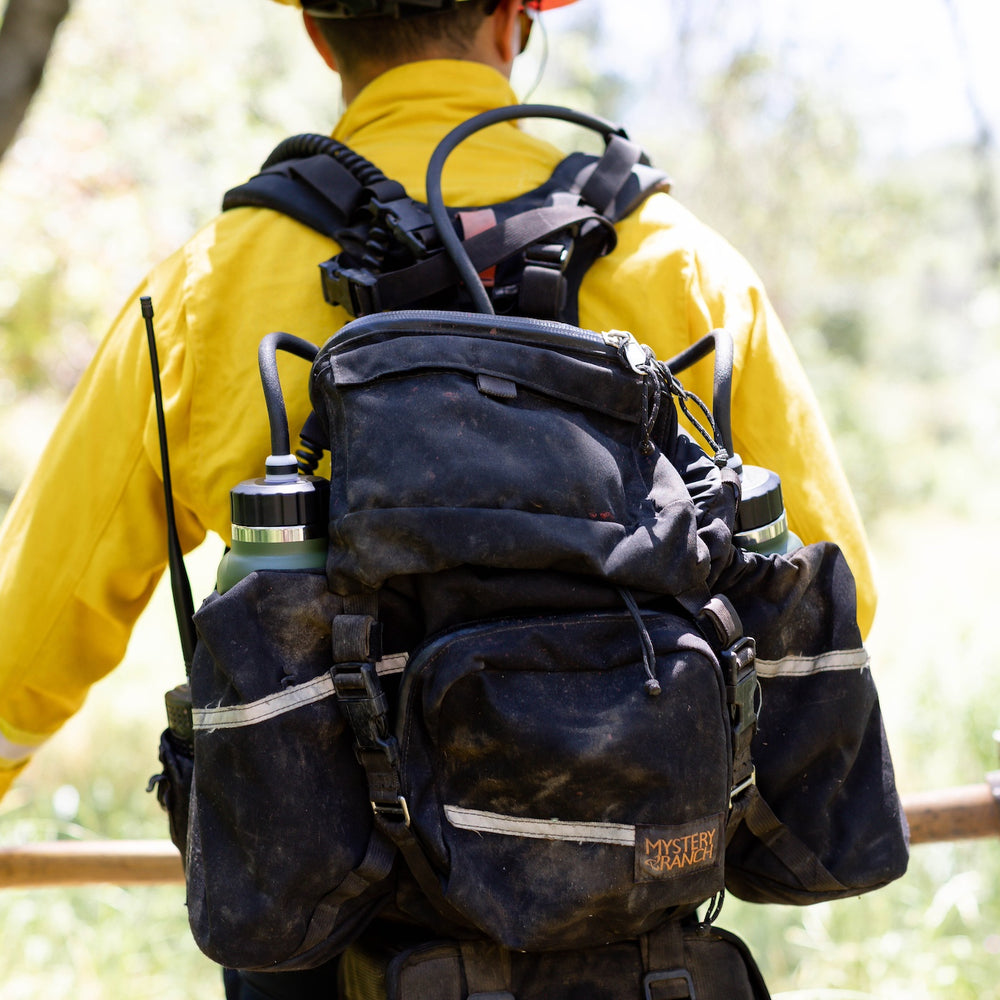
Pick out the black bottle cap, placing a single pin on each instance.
(264, 503)
(761, 501)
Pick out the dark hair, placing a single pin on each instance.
(391, 40)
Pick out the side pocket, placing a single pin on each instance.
(173, 786)
(282, 871)
(824, 820)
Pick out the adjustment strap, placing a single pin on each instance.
(398, 289)
(356, 645)
(375, 867)
(611, 173)
(720, 623)
(356, 648)
(666, 975)
(543, 282)
(487, 970)
(800, 861)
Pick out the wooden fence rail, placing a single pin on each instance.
(968, 812)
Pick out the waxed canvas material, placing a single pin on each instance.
(823, 765)
(560, 803)
(279, 814)
(696, 962)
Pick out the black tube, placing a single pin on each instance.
(435, 202)
(267, 360)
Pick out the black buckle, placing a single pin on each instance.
(353, 288)
(550, 255)
(360, 694)
(406, 221)
(680, 975)
(742, 687)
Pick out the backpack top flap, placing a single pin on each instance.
(459, 439)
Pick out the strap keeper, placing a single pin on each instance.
(396, 811)
(678, 976)
(745, 785)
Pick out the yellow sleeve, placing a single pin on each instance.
(83, 545)
(778, 423)
(671, 280)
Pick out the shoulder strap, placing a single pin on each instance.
(391, 258)
(315, 180)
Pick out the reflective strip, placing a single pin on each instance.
(540, 829)
(394, 664)
(12, 754)
(254, 712)
(805, 666)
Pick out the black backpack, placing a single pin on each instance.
(538, 699)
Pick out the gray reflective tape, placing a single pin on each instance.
(287, 700)
(805, 666)
(255, 712)
(479, 821)
(12, 754)
(392, 664)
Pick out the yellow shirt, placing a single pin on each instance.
(83, 546)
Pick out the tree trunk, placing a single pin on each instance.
(26, 35)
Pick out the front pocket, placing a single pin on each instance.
(560, 803)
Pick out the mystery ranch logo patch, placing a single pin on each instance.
(663, 852)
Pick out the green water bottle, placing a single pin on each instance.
(761, 522)
(279, 522)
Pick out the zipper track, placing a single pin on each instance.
(516, 328)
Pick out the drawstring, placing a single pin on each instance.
(714, 909)
(711, 435)
(652, 685)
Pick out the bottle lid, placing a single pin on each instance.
(263, 503)
(761, 501)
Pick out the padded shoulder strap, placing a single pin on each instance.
(322, 183)
(317, 181)
(559, 229)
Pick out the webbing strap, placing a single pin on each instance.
(801, 862)
(487, 970)
(396, 289)
(666, 975)
(720, 624)
(375, 867)
(611, 173)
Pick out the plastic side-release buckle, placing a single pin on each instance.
(743, 694)
(543, 283)
(677, 978)
(738, 663)
(353, 288)
(409, 224)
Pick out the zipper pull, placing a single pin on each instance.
(632, 353)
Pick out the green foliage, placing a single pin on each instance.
(880, 268)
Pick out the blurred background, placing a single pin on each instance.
(848, 149)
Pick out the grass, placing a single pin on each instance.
(935, 934)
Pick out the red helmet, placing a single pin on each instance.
(373, 8)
